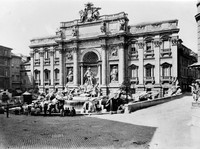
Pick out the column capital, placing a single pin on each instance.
(140, 44)
(157, 43)
(41, 52)
(31, 53)
(103, 46)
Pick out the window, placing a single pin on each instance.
(133, 71)
(37, 75)
(166, 44)
(148, 46)
(57, 54)
(6, 53)
(166, 70)
(46, 75)
(46, 54)
(36, 55)
(56, 74)
(148, 72)
(6, 62)
(6, 72)
(133, 48)
(17, 78)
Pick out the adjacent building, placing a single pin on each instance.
(106, 50)
(5, 66)
(15, 71)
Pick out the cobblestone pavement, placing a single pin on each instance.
(173, 123)
(24, 132)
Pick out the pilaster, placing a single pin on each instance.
(174, 50)
(121, 63)
(104, 63)
(32, 65)
(75, 70)
(41, 52)
(141, 61)
(157, 60)
(52, 65)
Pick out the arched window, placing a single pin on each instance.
(37, 74)
(36, 54)
(46, 75)
(46, 54)
(133, 71)
(56, 74)
(149, 71)
(166, 69)
(165, 42)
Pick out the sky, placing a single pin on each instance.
(23, 20)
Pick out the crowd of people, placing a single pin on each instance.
(195, 91)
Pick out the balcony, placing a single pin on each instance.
(37, 61)
(56, 60)
(134, 55)
(47, 61)
(37, 81)
(47, 81)
(149, 53)
(16, 82)
(164, 52)
(149, 80)
(134, 80)
(56, 81)
(168, 79)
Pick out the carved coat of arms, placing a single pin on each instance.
(89, 14)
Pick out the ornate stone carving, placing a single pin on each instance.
(70, 75)
(103, 46)
(140, 45)
(174, 42)
(69, 56)
(41, 52)
(103, 27)
(122, 25)
(60, 33)
(114, 73)
(75, 31)
(157, 43)
(114, 51)
(90, 13)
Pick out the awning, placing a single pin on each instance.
(195, 65)
(26, 93)
(19, 91)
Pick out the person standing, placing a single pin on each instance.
(5, 99)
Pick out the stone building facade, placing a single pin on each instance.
(26, 75)
(5, 63)
(15, 71)
(112, 52)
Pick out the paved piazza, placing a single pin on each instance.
(173, 123)
(166, 126)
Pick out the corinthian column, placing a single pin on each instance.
(32, 66)
(61, 67)
(52, 65)
(75, 70)
(41, 52)
(121, 63)
(104, 70)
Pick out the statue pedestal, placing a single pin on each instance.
(195, 114)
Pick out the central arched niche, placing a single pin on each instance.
(90, 60)
(90, 57)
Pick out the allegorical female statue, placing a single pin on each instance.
(114, 73)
